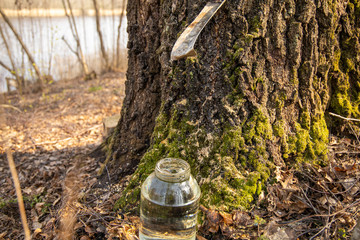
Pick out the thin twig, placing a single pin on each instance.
(18, 194)
(346, 152)
(102, 219)
(311, 205)
(322, 229)
(357, 202)
(107, 171)
(324, 186)
(344, 118)
(357, 137)
(337, 193)
(10, 106)
(306, 232)
(71, 49)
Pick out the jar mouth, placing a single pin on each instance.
(172, 170)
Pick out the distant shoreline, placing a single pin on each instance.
(58, 12)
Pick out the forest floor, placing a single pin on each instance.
(52, 133)
(49, 133)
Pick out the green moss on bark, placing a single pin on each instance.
(345, 75)
(269, 100)
(307, 142)
(215, 160)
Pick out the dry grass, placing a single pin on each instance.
(68, 213)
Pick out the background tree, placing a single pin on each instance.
(20, 83)
(78, 52)
(104, 55)
(256, 97)
(117, 58)
(24, 47)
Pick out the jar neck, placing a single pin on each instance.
(172, 170)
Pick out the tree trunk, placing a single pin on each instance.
(256, 97)
(102, 46)
(122, 14)
(20, 84)
(30, 57)
(78, 52)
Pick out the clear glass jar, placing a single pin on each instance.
(169, 202)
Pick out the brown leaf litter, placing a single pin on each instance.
(51, 131)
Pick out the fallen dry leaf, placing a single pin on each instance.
(89, 230)
(3, 234)
(198, 237)
(213, 219)
(332, 201)
(227, 230)
(346, 168)
(84, 237)
(323, 200)
(227, 218)
(241, 218)
(37, 232)
(39, 206)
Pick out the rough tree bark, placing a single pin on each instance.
(257, 96)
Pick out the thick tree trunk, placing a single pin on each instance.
(257, 95)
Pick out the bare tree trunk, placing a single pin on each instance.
(31, 59)
(51, 36)
(105, 57)
(113, 61)
(79, 53)
(122, 14)
(83, 15)
(19, 6)
(19, 81)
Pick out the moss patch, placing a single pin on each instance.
(308, 140)
(345, 73)
(230, 172)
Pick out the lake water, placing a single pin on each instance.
(43, 37)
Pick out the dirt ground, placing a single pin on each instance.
(52, 133)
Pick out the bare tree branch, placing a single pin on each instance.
(79, 53)
(30, 57)
(344, 118)
(19, 81)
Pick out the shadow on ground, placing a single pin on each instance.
(42, 177)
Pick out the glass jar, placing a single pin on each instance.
(169, 202)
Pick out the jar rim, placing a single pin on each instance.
(172, 170)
